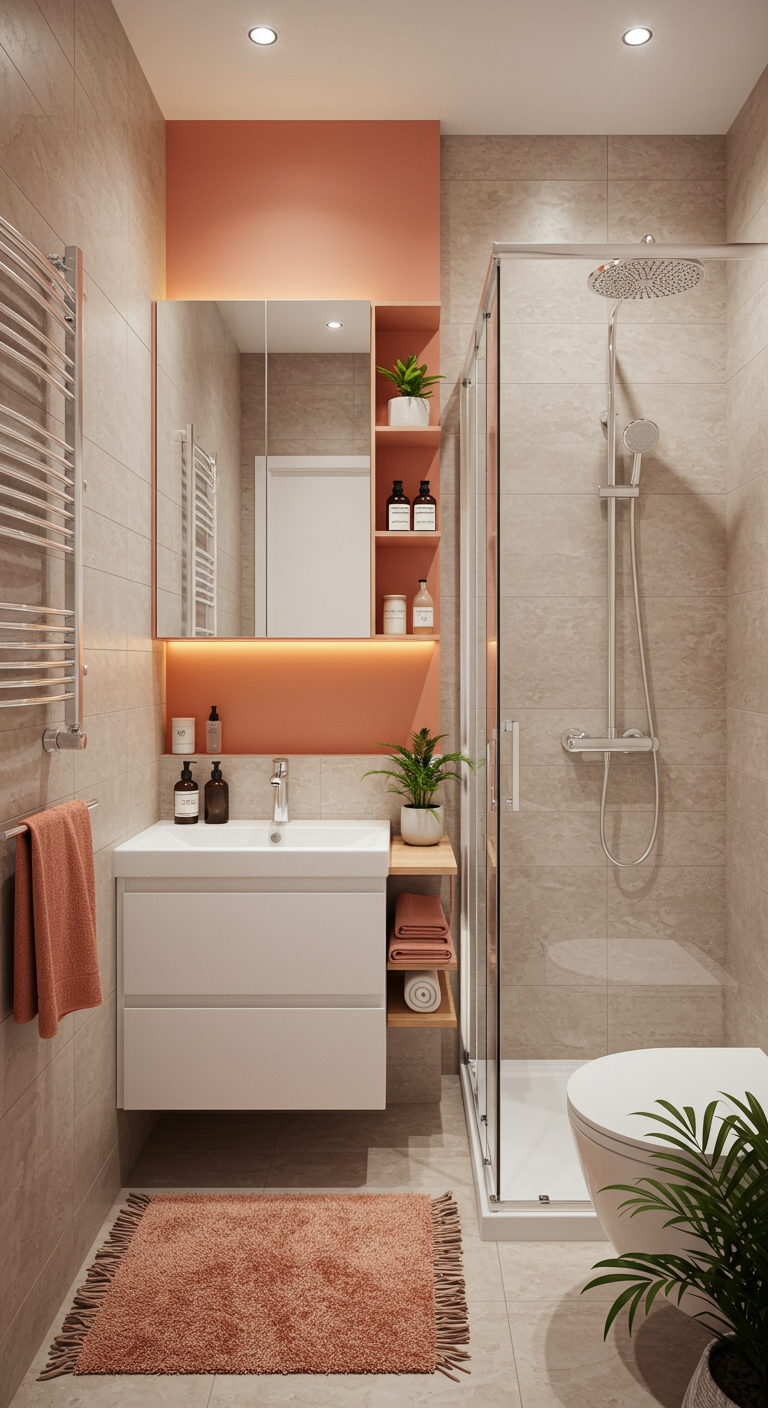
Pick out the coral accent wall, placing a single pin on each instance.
(305, 210)
(304, 696)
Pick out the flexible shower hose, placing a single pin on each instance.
(649, 847)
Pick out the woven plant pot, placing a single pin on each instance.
(703, 1392)
(409, 410)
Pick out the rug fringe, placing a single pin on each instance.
(451, 1314)
(89, 1298)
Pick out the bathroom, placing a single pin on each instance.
(106, 149)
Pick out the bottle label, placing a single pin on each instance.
(424, 518)
(399, 519)
(423, 616)
(186, 803)
(213, 737)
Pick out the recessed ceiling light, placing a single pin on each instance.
(262, 34)
(333, 325)
(639, 35)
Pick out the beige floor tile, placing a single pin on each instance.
(563, 1362)
(545, 1270)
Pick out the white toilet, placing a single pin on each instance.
(614, 1145)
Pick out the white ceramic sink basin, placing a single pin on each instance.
(240, 848)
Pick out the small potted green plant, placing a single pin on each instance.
(411, 407)
(719, 1198)
(420, 772)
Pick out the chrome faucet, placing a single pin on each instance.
(279, 781)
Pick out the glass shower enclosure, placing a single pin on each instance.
(578, 938)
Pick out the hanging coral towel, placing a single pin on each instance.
(55, 959)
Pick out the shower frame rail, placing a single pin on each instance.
(42, 505)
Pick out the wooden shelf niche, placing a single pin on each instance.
(411, 454)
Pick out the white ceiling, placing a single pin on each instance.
(480, 66)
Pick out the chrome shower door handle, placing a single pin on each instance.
(491, 744)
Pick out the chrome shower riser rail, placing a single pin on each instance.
(53, 285)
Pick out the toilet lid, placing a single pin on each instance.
(603, 1093)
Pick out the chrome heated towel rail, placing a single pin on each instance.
(41, 480)
(201, 539)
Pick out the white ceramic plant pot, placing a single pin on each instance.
(702, 1391)
(420, 827)
(409, 410)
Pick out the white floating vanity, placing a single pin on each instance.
(252, 975)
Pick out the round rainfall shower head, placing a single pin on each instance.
(646, 278)
(640, 436)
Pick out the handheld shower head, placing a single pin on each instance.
(640, 437)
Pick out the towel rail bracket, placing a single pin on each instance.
(58, 739)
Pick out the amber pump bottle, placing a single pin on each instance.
(424, 510)
(186, 798)
(216, 798)
(398, 510)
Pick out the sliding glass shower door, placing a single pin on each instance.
(480, 728)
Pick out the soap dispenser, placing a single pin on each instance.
(216, 798)
(213, 732)
(186, 798)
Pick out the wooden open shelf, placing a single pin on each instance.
(418, 639)
(400, 1015)
(404, 540)
(421, 860)
(408, 437)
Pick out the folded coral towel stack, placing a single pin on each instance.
(421, 932)
(56, 965)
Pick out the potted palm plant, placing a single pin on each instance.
(719, 1197)
(411, 407)
(420, 772)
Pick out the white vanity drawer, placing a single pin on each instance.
(249, 943)
(254, 1059)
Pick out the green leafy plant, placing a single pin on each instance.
(410, 380)
(720, 1197)
(420, 770)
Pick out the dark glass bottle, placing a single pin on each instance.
(216, 798)
(186, 799)
(424, 510)
(398, 510)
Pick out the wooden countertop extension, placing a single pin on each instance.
(421, 860)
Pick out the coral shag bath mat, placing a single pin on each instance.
(366, 1283)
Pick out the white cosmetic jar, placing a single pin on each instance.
(183, 735)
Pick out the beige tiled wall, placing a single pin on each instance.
(82, 162)
(595, 959)
(747, 874)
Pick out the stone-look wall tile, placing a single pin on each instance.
(747, 957)
(747, 431)
(413, 1066)
(661, 1015)
(38, 1145)
(748, 652)
(678, 158)
(81, 161)
(747, 159)
(553, 1023)
(748, 330)
(669, 210)
(520, 158)
(748, 742)
(747, 799)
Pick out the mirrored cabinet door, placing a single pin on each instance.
(263, 469)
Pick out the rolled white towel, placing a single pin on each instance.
(422, 990)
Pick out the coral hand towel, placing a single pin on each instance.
(420, 917)
(55, 960)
